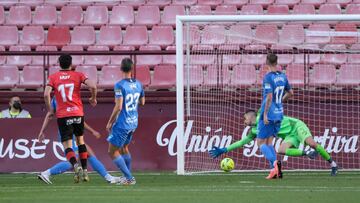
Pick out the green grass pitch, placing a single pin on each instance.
(169, 188)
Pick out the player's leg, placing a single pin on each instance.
(58, 168)
(125, 153)
(83, 154)
(119, 161)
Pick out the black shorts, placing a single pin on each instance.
(70, 126)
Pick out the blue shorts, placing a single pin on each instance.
(120, 137)
(271, 129)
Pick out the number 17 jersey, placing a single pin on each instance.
(131, 91)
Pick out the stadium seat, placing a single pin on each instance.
(122, 15)
(349, 75)
(334, 58)
(89, 71)
(32, 77)
(254, 59)
(283, 59)
(252, 10)
(53, 69)
(323, 75)
(237, 3)
(9, 35)
(353, 9)
(19, 60)
(266, 34)
(97, 59)
(212, 3)
(164, 77)
(170, 13)
(116, 59)
(278, 10)
(45, 15)
(162, 36)
(213, 35)
(150, 60)
(292, 34)
(342, 3)
(303, 9)
(326, 9)
(2, 58)
(110, 35)
(109, 75)
(263, 3)
(201, 58)
(134, 3)
(83, 35)
(160, 3)
(343, 38)
(226, 10)
(318, 34)
(354, 58)
(58, 3)
(143, 75)
(58, 36)
(148, 15)
(200, 10)
(195, 34)
(240, 34)
(230, 58)
(2, 15)
(83, 4)
(76, 59)
(290, 3)
(71, 15)
(296, 75)
(136, 36)
(169, 59)
(39, 60)
(19, 15)
(31, 3)
(217, 78)
(316, 3)
(96, 16)
(196, 78)
(9, 77)
(108, 4)
(244, 75)
(8, 3)
(314, 57)
(33, 36)
(184, 2)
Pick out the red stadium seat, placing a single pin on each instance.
(31, 3)
(314, 57)
(57, 3)
(71, 15)
(240, 34)
(19, 60)
(344, 38)
(148, 15)
(278, 10)
(215, 77)
(354, 58)
(334, 58)
(76, 59)
(266, 34)
(169, 59)
(243, 76)
(9, 77)
(32, 77)
(110, 35)
(83, 35)
(150, 60)
(160, 3)
(252, 10)
(254, 59)
(45, 15)
(83, 4)
(162, 36)
(134, 3)
(323, 75)
(237, 3)
(316, 3)
(136, 36)
(170, 13)
(349, 75)
(9, 3)
(230, 59)
(2, 15)
(97, 59)
(58, 36)
(109, 76)
(53, 69)
(353, 9)
(108, 4)
(116, 59)
(318, 34)
(194, 34)
(213, 35)
(2, 58)
(164, 77)
(143, 75)
(292, 34)
(39, 60)
(19, 16)
(264, 3)
(303, 9)
(326, 9)
(122, 15)
(201, 58)
(96, 15)
(340, 2)
(212, 3)
(185, 2)
(290, 3)
(196, 78)
(283, 59)
(33, 36)
(9, 35)
(89, 71)
(296, 75)
(226, 10)
(200, 10)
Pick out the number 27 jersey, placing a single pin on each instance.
(131, 91)
(66, 85)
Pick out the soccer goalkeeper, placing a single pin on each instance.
(293, 131)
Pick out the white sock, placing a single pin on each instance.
(333, 164)
(109, 177)
(47, 173)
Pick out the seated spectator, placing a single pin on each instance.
(15, 110)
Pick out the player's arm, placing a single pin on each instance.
(267, 107)
(47, 119)
(47, 98)
(93, 89)
(92, 130)
(115, 112)
(289, 92)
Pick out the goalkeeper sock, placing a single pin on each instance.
(294, 152)
(127, 159)
(120, 163)
(97, 166)
(60, 167)
(267, 152)
(323, 153)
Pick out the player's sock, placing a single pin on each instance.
(127, 159)
(323, 153)
(120, 163)
(70, 156)
(83, 155)
(98, 166)
(294, 152)
(267, 152)
(59, 168)
(272, 149)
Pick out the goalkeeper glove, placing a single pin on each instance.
(216, 152)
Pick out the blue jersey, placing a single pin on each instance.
(131, 91)
(275, 83)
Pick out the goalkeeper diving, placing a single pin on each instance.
(293, 132)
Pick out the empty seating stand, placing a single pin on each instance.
(9, 35)
(83, 35)
(349, 75)
(110, 36)
(143, 75)
(9, 76)
(244, 75)
(19, 15)
(71, 15)
(323, 75)
(109, 76)
(32, 77)
(296, 75)
(122, 15)
(148, 16)
(45, 15)
(33, 36)
(164, 77)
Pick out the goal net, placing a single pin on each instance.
(219, 77)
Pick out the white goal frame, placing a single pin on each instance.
(180, 20)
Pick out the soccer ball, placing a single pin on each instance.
(227, 164)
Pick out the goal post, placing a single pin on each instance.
(210, 102)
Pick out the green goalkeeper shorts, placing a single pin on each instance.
(298, 135)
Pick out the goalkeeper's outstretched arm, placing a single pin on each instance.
(216, 151)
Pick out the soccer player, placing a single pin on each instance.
(66, 84)
(293, 132)
(124, 120)
(64, 166)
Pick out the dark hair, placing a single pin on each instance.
(250, 111)
(126, 65)
(271, 59)
(65, 61)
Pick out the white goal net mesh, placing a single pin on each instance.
(223, 72)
